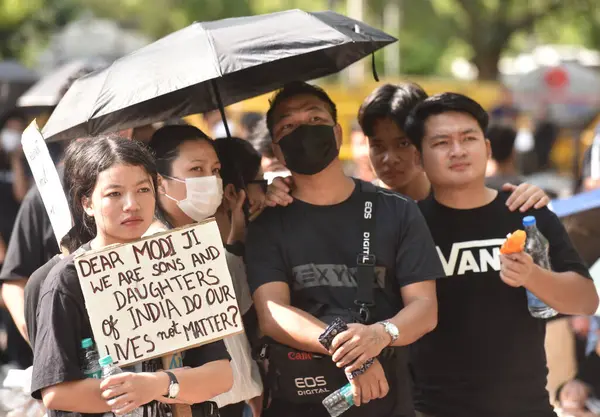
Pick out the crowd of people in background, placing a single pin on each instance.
(439, 171)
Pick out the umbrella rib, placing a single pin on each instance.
(91, 116)
(107, 69)
(213, 49)
(331, 26)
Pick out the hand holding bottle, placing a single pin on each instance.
(516, 269)
(127, 391)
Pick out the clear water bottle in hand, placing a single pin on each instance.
(110, 369)
(536, 245)
(339, 401)
(89, 359)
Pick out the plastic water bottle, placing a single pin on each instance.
(537, 246)
(89, 359)
(339, 401)
(110, 369)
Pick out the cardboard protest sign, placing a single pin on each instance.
(47, 180)
(162, 294)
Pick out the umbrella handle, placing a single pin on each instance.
(374, 67)
(215, 88)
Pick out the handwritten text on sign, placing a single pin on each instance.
(162, 294)
(47, 180)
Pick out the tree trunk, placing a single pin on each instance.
(486, 60)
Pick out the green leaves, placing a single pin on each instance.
(432, 32)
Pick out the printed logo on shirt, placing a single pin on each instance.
(472, 257)
(330, 275)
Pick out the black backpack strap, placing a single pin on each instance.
(366, 260)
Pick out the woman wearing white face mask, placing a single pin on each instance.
(190, 186)
(191, 190)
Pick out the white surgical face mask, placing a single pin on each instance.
(10, 140)
(203, 196)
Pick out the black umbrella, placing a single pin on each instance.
(14, 80)
(48, 91)
(13, 72)
(211, 65)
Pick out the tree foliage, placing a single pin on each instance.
(23, 23)
(432, 31)
(488, 26)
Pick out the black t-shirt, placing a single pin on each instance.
(8, 209)
(314, 250)
(63, 322)
(32, 295)
(486, 357)
(32, 242)
(9, 206)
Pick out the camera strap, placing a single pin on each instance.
(366, 259)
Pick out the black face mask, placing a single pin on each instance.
(309, 149)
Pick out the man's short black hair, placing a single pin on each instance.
(502, 138)
(240, 162)
(393, 101)
(438, 104)
(298, 88)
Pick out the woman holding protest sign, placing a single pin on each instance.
(191, 190)
(111, 187)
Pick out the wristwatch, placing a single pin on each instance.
(390, 329)
(173, 386)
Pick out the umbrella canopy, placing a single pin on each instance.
(210, 65)
(570, 90)
(47, 92)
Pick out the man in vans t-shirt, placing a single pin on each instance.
(486, 357)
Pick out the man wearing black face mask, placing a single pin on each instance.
(304, 271)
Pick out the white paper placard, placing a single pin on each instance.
(162, 294)
(47, 180)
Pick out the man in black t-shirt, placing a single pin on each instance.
(486, 357)
(31, 245)
(302, 261)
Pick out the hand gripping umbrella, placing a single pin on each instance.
(209, 65)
